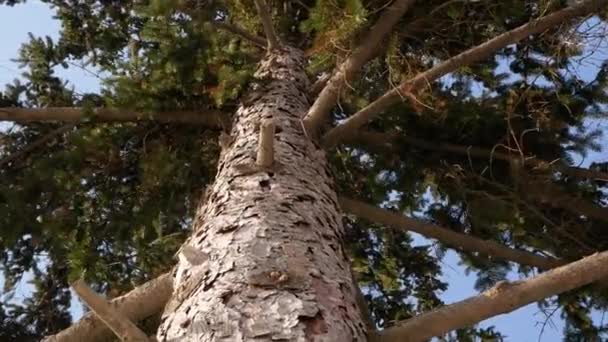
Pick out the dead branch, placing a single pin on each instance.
(265, 157)
(475, 54)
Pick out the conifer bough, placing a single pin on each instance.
(208, 118)
(470, 56)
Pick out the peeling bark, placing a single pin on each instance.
(275, 267)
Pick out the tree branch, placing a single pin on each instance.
(265, 157)
(210, 118)
(256, 40)
(475, 54)
(446, 236)
(37, 143)
(553, 196)
(346, 72)
(141, 302)
(546, 193)
(381, 141)
(265, 17)
(122, 327)
(504, 297)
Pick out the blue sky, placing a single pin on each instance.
(15, 22)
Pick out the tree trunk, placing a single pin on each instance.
(265, 261)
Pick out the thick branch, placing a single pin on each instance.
(37, 143)
(319, 85)
(502, 298)
(265, 17)
(141, 302)
(346, 72)
(546, 193)
(457, 240)
(467, 57)
(258, 41)
(383, 140)
(113, 319)
(210, 118)
(553, 196)
(265, 157)
(580, 172)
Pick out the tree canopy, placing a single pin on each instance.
(489, 150)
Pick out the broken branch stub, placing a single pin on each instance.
(265, 157)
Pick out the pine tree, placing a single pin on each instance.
(221, 161)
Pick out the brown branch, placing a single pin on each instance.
(467, 57)
(122, 327)
(553, 196)
(210, 118)
(362, 305)
(458, 240)
(380, 142)
(503, 298)
(319, 85)
(346, 72)
(256, 40)
(546, 193)
(264, 13)
(35, 144)
(142, 302)
(580, 172)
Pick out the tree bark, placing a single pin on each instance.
(273, 266)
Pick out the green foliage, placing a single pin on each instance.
(113, 202)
